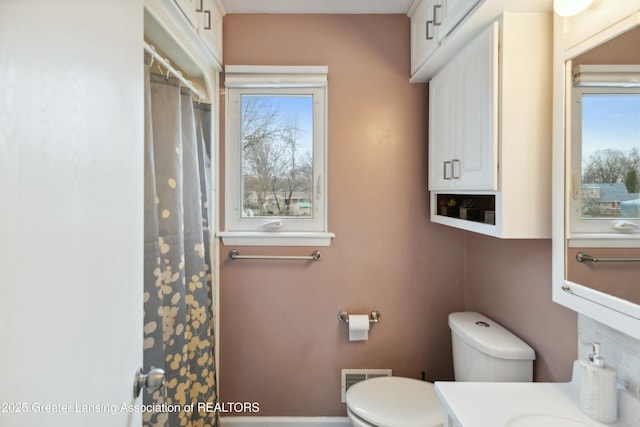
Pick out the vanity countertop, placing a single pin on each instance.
(524, 405)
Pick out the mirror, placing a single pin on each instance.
(604, 166)
(600, 236)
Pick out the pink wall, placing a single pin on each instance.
(281, 342)
(510, 281)
(619, 279)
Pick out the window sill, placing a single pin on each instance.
(270, 238)
(603, 240)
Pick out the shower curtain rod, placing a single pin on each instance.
(167, 64)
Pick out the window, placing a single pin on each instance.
(605, 160)
(276, 145)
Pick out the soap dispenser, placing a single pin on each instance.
(598, 388)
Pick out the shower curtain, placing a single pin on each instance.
(178, 325)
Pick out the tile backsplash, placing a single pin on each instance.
(620, 350)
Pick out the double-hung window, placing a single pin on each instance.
(276, 150)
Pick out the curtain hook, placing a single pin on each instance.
(168, 70)
(153, 56)
(159, 65)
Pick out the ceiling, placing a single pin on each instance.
(317, 6)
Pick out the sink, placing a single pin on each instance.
(476, 404)
(546, 420)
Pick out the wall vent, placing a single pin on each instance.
(352, 376)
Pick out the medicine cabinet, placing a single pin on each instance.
(490, 130)
(596, 235)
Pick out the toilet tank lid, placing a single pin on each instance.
(487, 336)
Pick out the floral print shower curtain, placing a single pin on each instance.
(178, 324)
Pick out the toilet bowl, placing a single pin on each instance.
(482, 351)
(394, 401)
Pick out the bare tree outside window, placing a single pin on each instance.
(277, 159)
(611, 165)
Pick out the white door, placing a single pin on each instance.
(71, 211)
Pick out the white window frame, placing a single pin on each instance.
(276, 231)
(596, 232)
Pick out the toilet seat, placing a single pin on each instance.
(396, 402)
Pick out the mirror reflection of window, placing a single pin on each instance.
(610, 153)
(605, 149)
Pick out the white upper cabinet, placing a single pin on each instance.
(425, 22)
(490, 130)
(442, 28)
(188, 9)
(454, 12)
(431, 22)
(198, 22)
(210, 26)
(463, 108)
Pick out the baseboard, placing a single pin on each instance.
(284, 422)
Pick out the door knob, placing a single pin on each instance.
(152, 381)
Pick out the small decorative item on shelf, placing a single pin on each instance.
(453, 209)
(490, 217)
(465, 205)
(443, 207)
(473, 214)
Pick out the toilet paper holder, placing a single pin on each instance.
(374, 316)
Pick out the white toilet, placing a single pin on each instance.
(482, 351)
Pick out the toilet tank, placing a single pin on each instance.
(485, 351)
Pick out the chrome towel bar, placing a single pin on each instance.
(374, 316)
(315, 256)
(582, 257)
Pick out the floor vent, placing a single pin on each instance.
(352, 376)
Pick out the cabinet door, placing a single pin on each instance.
(424, 28)
(442, 127)
(474, 166)
(188, 9)
(210, 27)
(453, 12)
